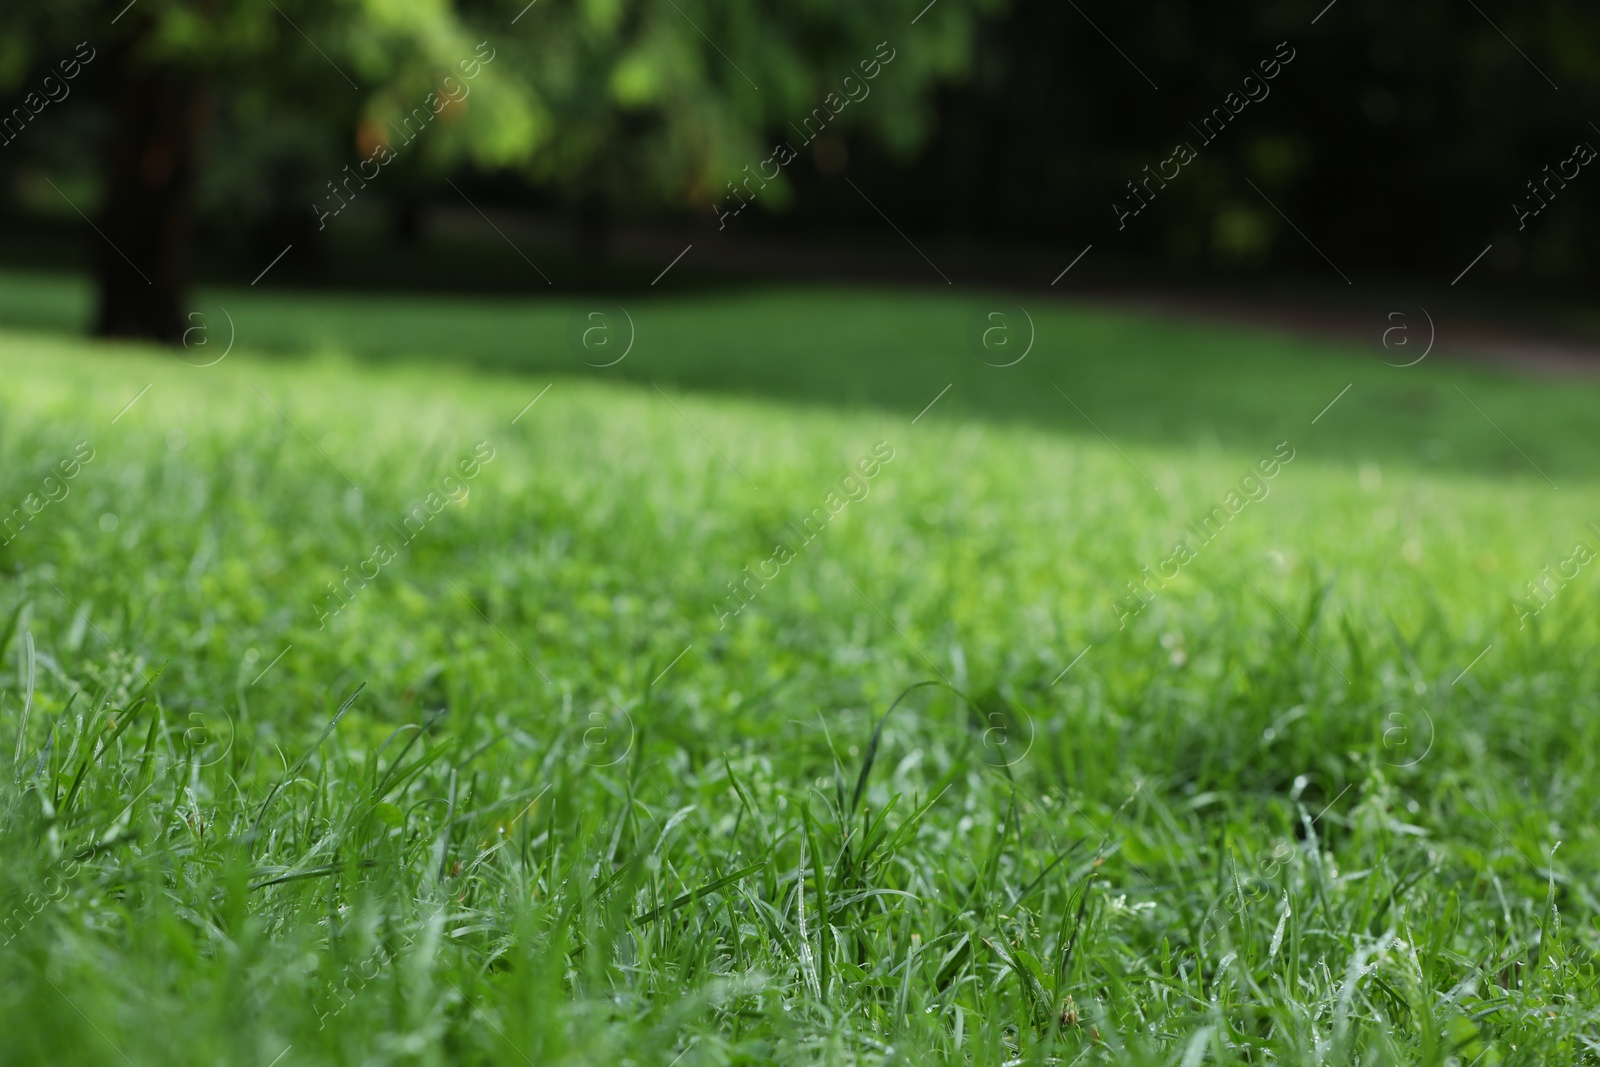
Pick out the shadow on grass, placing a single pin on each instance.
(1135, 380)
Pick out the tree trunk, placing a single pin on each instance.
(143, 268)
(405, 221)
(595, 222)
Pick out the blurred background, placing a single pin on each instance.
(1330, 153)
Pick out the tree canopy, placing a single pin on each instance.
(613, 105)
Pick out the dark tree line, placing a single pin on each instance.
(1403, 137)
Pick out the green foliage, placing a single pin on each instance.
(540, 833)
(618, 101)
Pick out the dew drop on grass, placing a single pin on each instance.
(108, 522)
(1277, 935)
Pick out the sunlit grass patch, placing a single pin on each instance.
(1304, 806)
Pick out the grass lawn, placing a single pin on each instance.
(364, 713)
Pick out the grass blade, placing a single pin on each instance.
(301, 762)
(695, 894)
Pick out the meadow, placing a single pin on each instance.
(373, 694)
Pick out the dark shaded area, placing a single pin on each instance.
(1140, 377)
(1398, 139)
(1197, 149)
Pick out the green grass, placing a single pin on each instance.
(1140, 379)
(567, 817)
